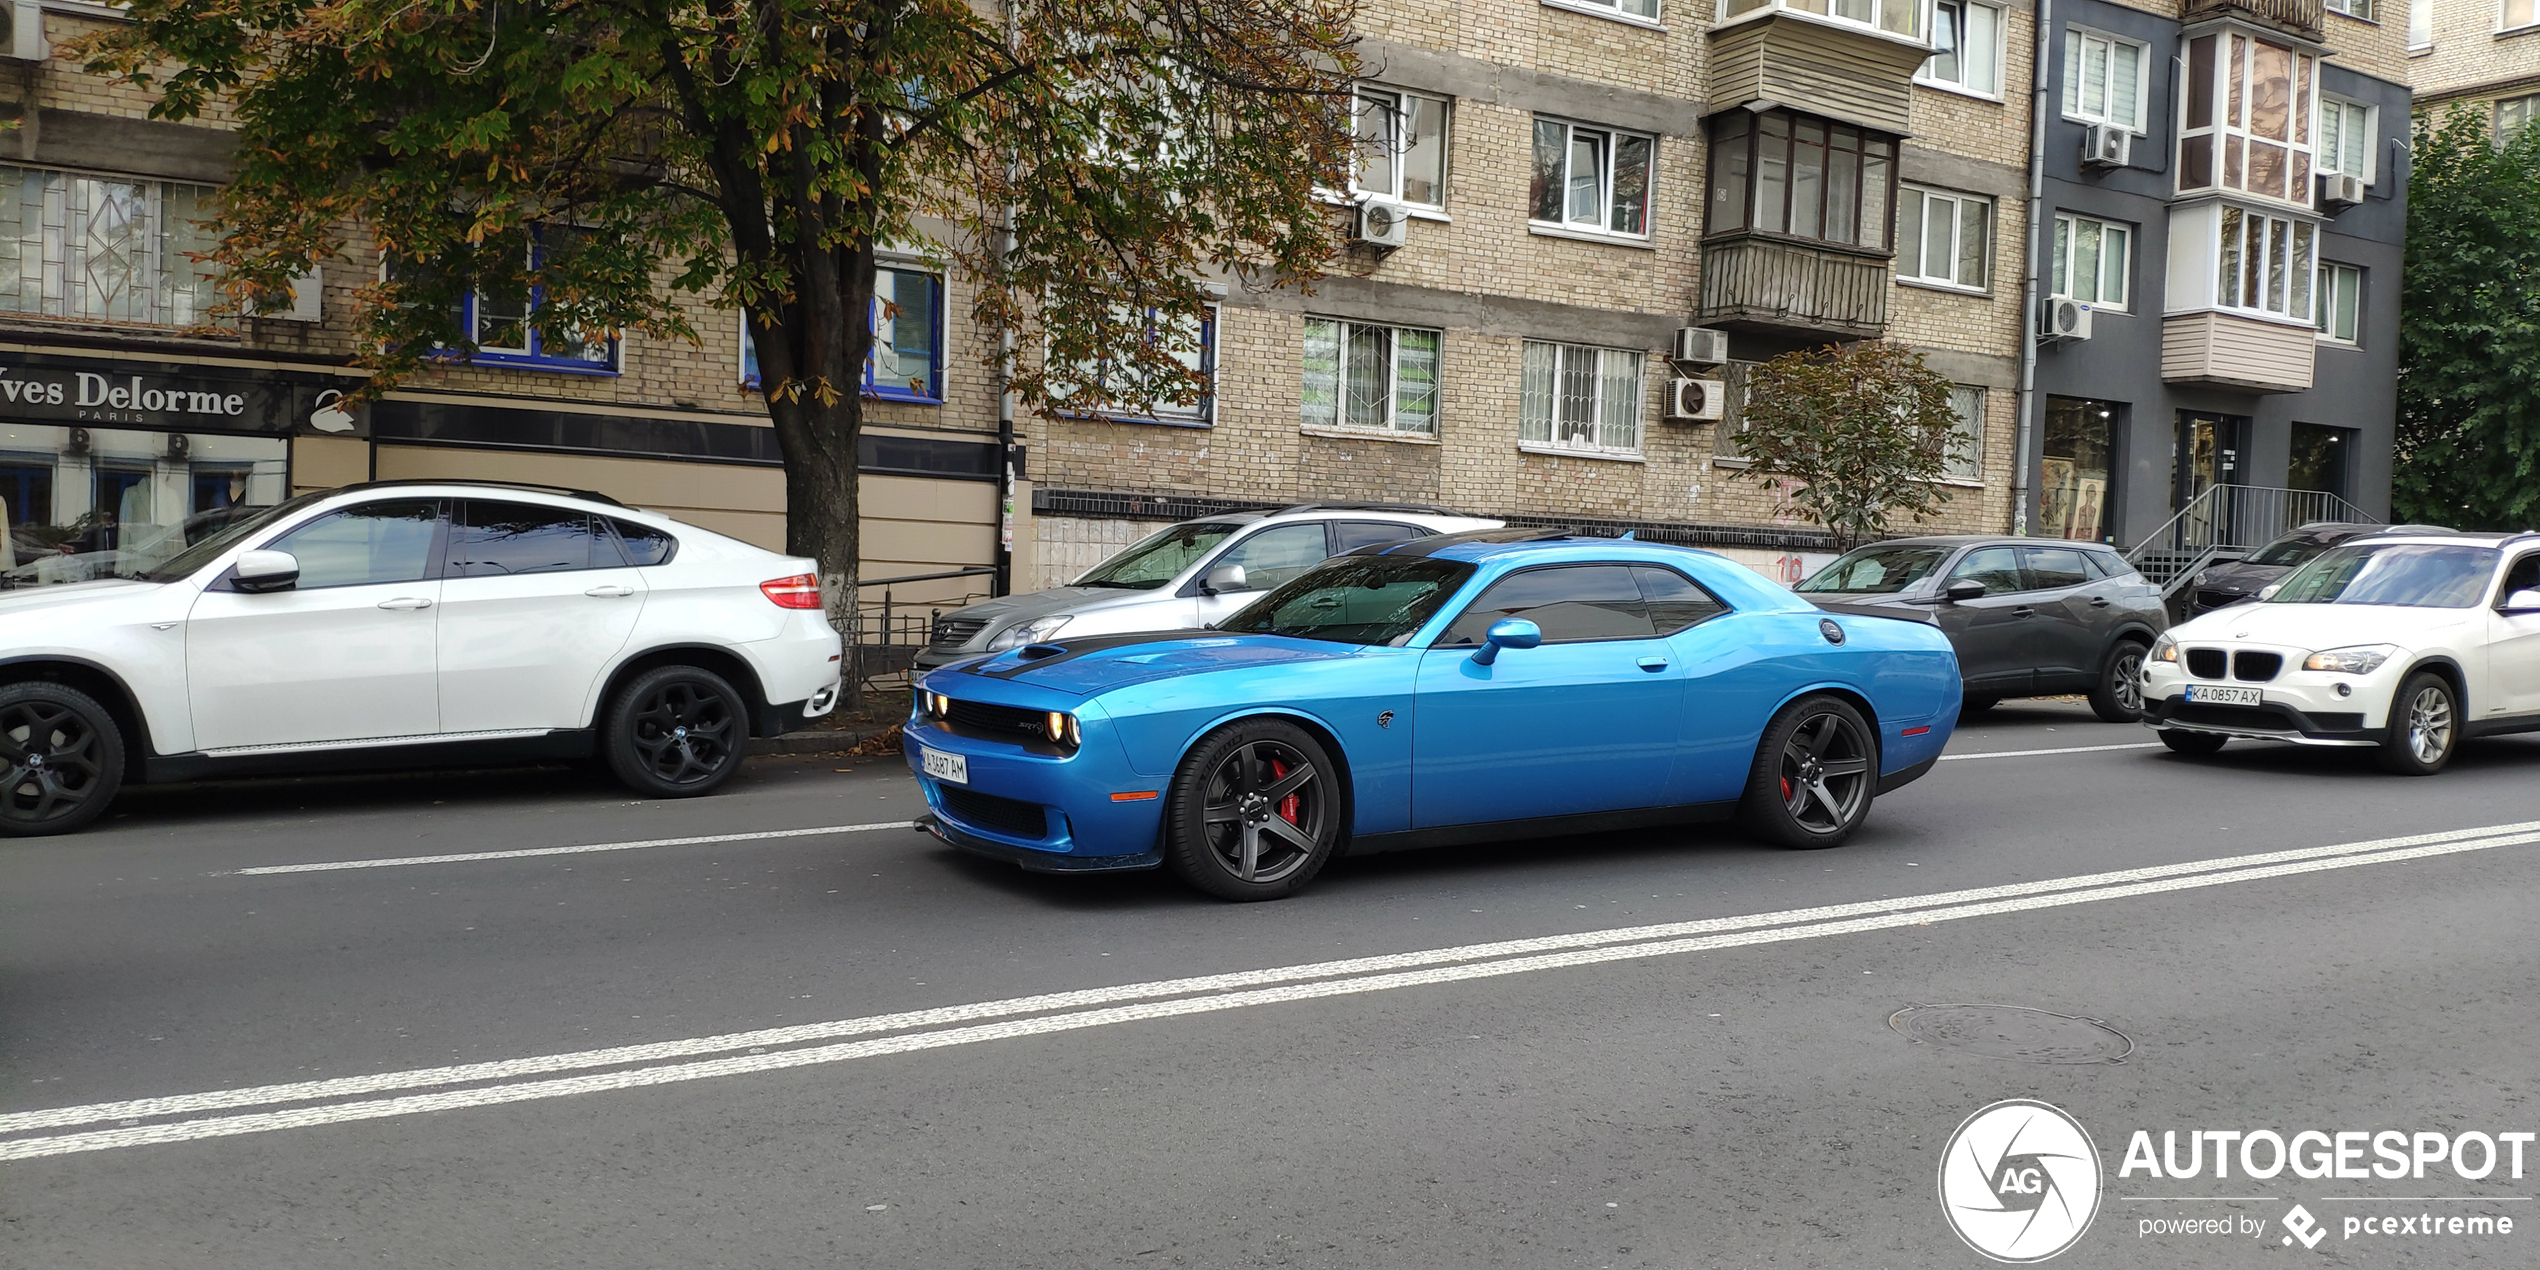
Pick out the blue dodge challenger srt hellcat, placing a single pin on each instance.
(1507, 683)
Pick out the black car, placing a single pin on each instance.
(2234, 581)
(2029, 618)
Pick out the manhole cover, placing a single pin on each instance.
(2012, 1031)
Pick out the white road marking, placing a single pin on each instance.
(526, 852)
(1098, 1007)
(2070, 749)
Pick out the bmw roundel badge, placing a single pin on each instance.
(1826, 626)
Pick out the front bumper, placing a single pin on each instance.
(2301, 707)
(1043, 808)
(1031, 859)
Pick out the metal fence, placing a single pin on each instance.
(890, 631)
(2229, 521)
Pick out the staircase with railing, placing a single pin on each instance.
(2227, 522)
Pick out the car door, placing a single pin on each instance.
(2063, 640)
(2513, 647)
(1269, 557)
(536, 603)
(1725, 701)
(348, 653)
(1587, 722)
(1987, 630)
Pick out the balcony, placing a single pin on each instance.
(2304, 18)
(1794, 53)
(1767, 284)
(2231, 351)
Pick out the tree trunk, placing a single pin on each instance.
(819, 444)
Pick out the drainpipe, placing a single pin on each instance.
(1002, 582)
(2030, 406)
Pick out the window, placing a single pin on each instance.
(2052, 568)
(1897, 17)
(1962, 451)
(103, 250)
(2318, 458)
(1945, 239)
(1998, 568)
(907, 359)
(2340, 302)
(1158, 558)
(373, 544)
(1781, 173)
(1571, 603)
(1591, 179)
(2420, 24)
(2266, 264)
(1362, 376)
(1635, 8)
(1193, 344)
(1275, 555)
(2103, 79)
(496, 540)
(1576, 397)
(1966, 40)
(2090, 261)
(2346, 144)
(1675, 601)
(2351, 8)
(1881, 570)
(644, 545)
(2513, 114)
(2517, 14)
(1373, 600)
(2248, 120)
(1402, 147)
(498, 320)
(1350, 535)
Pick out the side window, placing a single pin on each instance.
(1998, 568)
(2524, 575)
(644, 544)
(1275, 555)
(366, 545)
(1570, 602)
(1675, 601)
(1350, 535)
(2107, 564)
(2053, 567)
(494, 540)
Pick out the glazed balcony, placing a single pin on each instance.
(1770, 284)
(2305, 18)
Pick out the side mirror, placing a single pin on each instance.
(2268, 591)
(261, 571)
(1224, 578)
(1963, 589)
(1507, 632)
(2526, 600)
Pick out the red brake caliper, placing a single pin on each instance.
(1287, 805)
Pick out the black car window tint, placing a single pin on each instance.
(644, 544)
(1998, 568)
(495, 540)
(2523, 576)
(2053, 567)
(2107, 564)
(1274, 556)
(1569, 603)
(1350, 535)
(371, 544)
(1675, 601)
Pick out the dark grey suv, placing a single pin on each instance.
(2029, 617)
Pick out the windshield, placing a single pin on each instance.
(1158, 558)
(1354, 600)
(2292, 549)
(2416, 575)
(1875, 571)
(176, 551)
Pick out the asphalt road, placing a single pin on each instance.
(809, 1049)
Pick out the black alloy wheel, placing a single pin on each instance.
(2118, 697)
(61, 759)
(676, 732)
(2424, 729)
(1814, 775)
(1254, 811)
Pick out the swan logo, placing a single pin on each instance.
(2020, 1181)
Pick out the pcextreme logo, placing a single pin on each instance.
(2020, 1181)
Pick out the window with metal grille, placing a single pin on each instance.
(103, 249)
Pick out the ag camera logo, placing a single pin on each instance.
(2020, 1181)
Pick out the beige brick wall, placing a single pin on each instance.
(2469, 59)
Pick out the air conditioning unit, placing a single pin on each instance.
(2340, 190)
(1383, 225)
(304, 306)
(1701, 345)
(26, 33)
(1697, 400)
(2065, 320)
(2107, 146)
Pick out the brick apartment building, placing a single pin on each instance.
(2479, 54)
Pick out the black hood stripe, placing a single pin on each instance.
(1089, 644)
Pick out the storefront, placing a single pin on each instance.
(2078, 467)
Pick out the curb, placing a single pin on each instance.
(821, 742)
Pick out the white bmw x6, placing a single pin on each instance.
(402, 624)
(2402, 642)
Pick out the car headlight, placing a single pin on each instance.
(2362, 659)
(1062, 729)
(2165, 649)
(1031, 632)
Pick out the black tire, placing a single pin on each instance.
(2118, 696)
(1977, 704)
(2424, 727)
(2191, 744)
(1253, 812)
(675, 732)
(1815, 773)
(61, 759)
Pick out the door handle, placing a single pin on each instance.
(1653, 664)
(610, 592)
(406, 602)
(2099, 601)
(2024, 611)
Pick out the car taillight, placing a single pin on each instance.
(801, 591)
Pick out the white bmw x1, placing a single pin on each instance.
(401, 624)
(2404, 643)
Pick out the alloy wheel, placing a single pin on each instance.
(1825, 772)
(683, 732)
(2430, 724)
(2129, 680)
(50, 759)
(1266, 809)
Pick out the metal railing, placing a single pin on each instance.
(2228, 521)
(889, 635)
(2305, 16)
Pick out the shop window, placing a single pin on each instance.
(2319, 457)
(1800, 176)
(2077, 453)
(1578, 397)
(1591, 180)
(1359, 375)
(907, 359)
(1966, 40)
(1943, 239)
(2091, 260)
(2103, 79)
(1402, 147)
(2265, 264)
(2247, 126)
(103, 249)
(1896, 17)
(2340, 302)
(84, 503)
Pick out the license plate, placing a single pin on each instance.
(2222, 696)
(953, 767)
